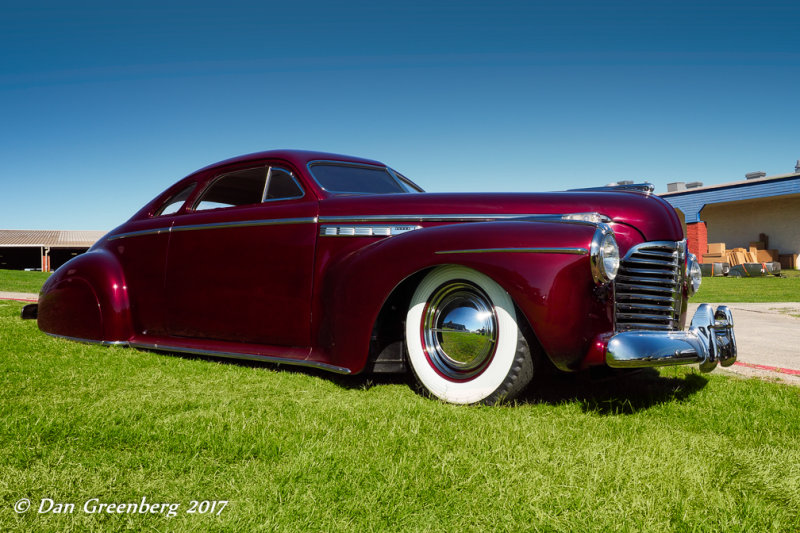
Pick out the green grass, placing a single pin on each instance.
(766, 289)
(22, 281)
(298, 451)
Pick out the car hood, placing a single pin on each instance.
(653, 217)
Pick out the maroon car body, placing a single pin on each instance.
(309, 275)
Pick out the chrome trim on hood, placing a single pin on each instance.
(573, 251)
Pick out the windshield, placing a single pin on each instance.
(349, 178)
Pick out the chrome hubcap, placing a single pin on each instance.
(459, 330)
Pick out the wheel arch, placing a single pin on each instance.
(387, 352)
(87, 299)
(549, 289)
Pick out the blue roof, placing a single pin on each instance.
(692, 201)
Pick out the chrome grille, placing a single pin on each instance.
(649, 287)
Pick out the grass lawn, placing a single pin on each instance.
(766, 289)
(298, 451)
(22, 281)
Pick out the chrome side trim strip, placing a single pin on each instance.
(156, 231)
(469, 217)
(423, 218)
(353, 219)
(247, 224)
(231, 355)
(220, 225)
(365, 231)
(573, 251)
(236, 355)
(89, 341)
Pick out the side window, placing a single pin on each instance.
(174, 203)
(242, 187)
(282, 185)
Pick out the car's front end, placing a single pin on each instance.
(654, 282)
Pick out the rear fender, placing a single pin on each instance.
(87, 299)
(544, 266)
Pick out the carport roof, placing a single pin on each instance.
(692, 201)
(49, 238)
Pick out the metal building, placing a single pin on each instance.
(43, 250)
(737, 213)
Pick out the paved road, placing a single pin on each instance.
(767, 335)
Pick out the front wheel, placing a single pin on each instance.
(464, 344)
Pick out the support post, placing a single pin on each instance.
(697, 239)
(45, 258)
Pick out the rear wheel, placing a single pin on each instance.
(464, 343)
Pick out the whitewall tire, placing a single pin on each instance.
(464, 344)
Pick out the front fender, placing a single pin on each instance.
(544, 266)
(87, 299)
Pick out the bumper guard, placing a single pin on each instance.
(708, 341)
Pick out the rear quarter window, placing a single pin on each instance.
(174, 203)
(242, 187)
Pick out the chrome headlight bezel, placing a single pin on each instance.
(604, 255)
(694, 275)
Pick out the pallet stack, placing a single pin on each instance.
(757, 253)
(756, 260)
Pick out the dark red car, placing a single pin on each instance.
(341, 263)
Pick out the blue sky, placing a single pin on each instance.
(105, 104)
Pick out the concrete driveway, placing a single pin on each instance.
(767, 335)
(20, 296)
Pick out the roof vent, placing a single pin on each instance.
(797, 166)
(676, 186)
(694, 184)
(755, 175)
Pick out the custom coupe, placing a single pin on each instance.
(344, 264)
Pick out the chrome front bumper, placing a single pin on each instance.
(708, 341)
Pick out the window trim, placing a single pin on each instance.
(264, 198)
(268, 171)
(400, 183)
(416, 188)
(159, 212)
(213, 181)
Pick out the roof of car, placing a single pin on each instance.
(299, 158)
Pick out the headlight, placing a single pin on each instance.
(694, 275)
(604, 256)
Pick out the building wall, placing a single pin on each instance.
(737, 224)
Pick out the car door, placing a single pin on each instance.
(239, 265)
(142, 253)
